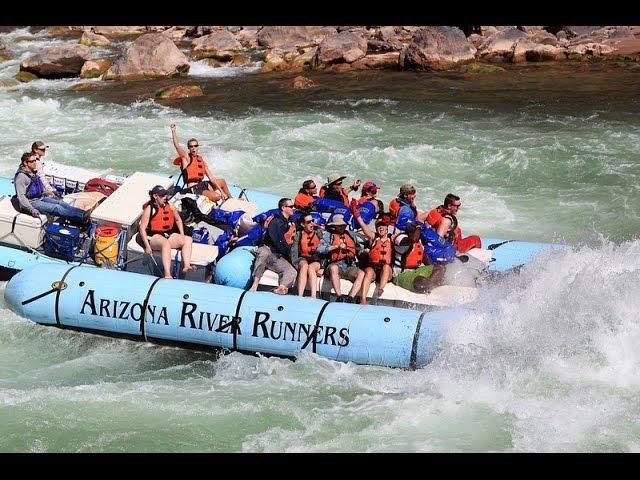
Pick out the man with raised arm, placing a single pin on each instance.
(194, 168)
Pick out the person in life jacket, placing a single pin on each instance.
(39, 149)
(443, 219)
(193, 169)
(161, 229)
(369, 192)
(31, 198)
(342, 249)
(411, 262)
(381, 257)
(333, 190)
(307, 255)
(306, 195)
(403, 210)
(275, 252)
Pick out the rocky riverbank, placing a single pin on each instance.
(145, 52)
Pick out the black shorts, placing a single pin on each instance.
(198, 188)
(141, 243)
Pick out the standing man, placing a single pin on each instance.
(31, 196)
(275, 253)
(39, 149)
(443, 219)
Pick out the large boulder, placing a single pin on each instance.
(303, 83)
(437, 48)
(94, 68)
(179, 91)
(387, 60)
(152, 55)
(248, 37)
(275, 37)
(220, 45)
(57, 62)
(341, 47)
(501, 45)
(93, 39)
(525, 50)
(119, 30)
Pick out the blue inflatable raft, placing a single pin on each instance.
(154, 309)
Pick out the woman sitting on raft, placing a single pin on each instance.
(193, 169)
(161, 229)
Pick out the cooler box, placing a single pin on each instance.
(20, 228)
(61, 241)
(202, 256)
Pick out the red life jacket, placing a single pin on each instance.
(161, 220)
(349, 253)
(195, 170)
(288, 235)
(100, 185)
(394, 208)
(381, 252)
(412, 258)
(309, 243)
(303, 199)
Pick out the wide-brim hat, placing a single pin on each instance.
(335, 177)
(337, 220)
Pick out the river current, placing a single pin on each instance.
(546, 361)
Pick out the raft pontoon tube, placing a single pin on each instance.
(147, 308)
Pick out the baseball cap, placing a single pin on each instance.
(38, 144)
(407, 188)
(370, 186)
(158, 190)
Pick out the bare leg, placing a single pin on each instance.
(183, 243)
(254, 285)
(369, 277)
(385, 276)
(212, 195)
(303, 271)
(223, 185)
(313, 279)
(334, 276)
(357, 284)
(158, 242)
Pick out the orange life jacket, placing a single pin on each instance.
(288, 235)
(345, 197)
(309, 243)
(394, 208)
(338, 254)
(161, 220)
(412, 258)
(303, 199)
(195, 170)
(381, 252)
(434, 218)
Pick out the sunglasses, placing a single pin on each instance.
(288, 206)
(308, 221)
(311, 188)
(338, 183)
(193, 146)
(457, 206)
(30, 161)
